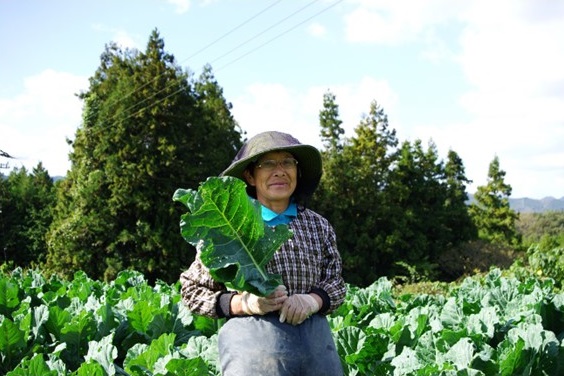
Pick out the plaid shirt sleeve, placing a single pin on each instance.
(199, 291)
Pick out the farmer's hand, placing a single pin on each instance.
(251, 304)
(297, 308)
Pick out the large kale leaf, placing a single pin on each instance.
(227, 226)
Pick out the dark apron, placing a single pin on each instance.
(262, 346)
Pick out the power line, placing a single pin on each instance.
(229, 63)
(225, 54)
(195, 54)
(281, 34)
(231, 31)
(264, 31)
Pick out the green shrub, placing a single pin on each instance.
(475, 257)
(547, 260)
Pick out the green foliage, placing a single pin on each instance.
(220, 135)
(537, 227)
(458, 225)
(490, 325)
(428, 197)
(473, 257)
(234, 241)
(547, 259)
(147, 126)
(485, 326)
(395, 210)
(330, 123)
(491, 213)
(26, 204)
(86, 327)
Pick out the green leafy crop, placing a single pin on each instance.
(235, 243)
(484, 325)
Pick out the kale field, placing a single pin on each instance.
(485, 325)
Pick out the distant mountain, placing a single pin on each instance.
(529, 205)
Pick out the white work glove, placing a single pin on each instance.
(252, 304)
(297, 308)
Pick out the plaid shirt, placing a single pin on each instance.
(309, 260)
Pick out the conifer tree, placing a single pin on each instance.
(146, 131)
(362, 224)
(330, 123)
(331, 135)
(416, 195)
(393, 210)
(491, 212)
(458, 225)
(26, 204)
(430, 213)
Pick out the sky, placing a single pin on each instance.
(482, 78)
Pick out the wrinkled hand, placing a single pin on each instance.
(256, 305)
(297, 308)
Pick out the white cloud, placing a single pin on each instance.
(182, 6)
(503, 48)
(121, 37)
(317, 30)
(512, 54)
(395, 21)
(124, 40)
(35, 124)
(274, 106)
(354, 100)
(509, 54)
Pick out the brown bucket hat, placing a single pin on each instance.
(308, 157)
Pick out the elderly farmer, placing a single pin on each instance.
(285, 333)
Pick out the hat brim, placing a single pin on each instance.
(309, 164)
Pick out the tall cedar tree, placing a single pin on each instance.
(328, 199)
(26, 202)
(390, 207)
(358, 176)
(416, 193)
(430, 213)
(459, 226)
(495, 220)
(330, 123)
(324, 199)
(146, 131)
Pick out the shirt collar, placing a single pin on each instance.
(272, 218)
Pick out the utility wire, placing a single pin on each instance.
(225, 54)
(258, 47)
(279, 35)
(230, 31)
(146, 99)
(194, 54)
(232, 61)
(264, 31)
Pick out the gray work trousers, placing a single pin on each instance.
(262, 346)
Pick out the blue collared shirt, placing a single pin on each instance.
(272, 218)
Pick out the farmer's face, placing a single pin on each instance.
(274, 185)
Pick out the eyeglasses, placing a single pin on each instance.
(271, 164)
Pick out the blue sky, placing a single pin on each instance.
(483, 78)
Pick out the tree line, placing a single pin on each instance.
(150, 127)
